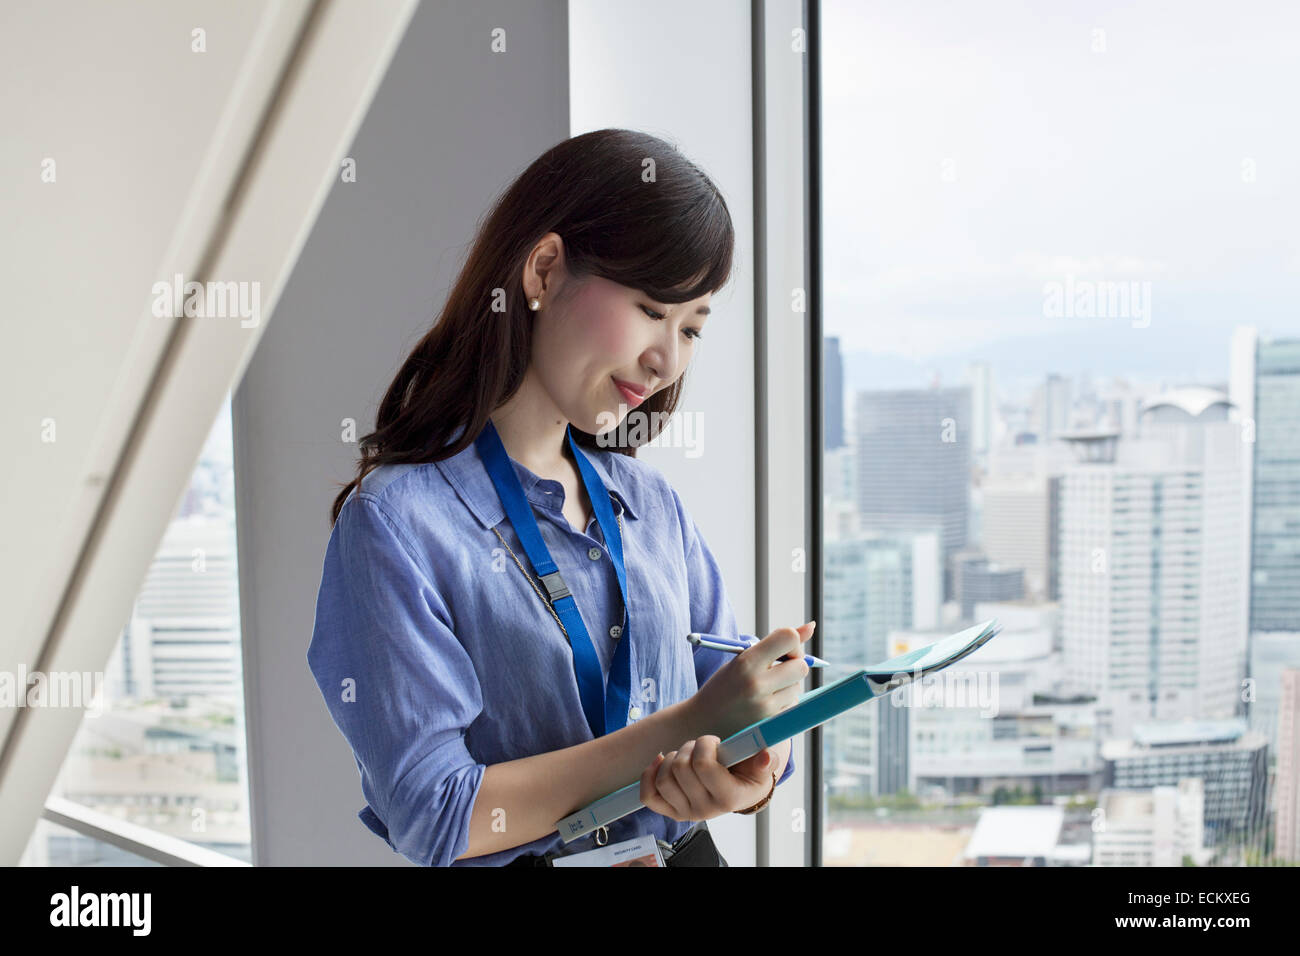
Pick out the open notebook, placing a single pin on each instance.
(813, 708)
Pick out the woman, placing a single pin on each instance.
(485, 697)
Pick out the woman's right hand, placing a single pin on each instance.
(753, 685)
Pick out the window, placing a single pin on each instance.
(165, 747)
(1058, 276)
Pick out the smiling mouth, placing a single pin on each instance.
(630, 396)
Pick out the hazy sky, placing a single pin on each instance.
(1130, 164)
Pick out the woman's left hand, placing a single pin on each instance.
(689, 784)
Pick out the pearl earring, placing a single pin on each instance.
(534, 304)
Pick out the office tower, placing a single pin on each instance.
(914, 462)
(1021, 512)
(832, 394)
(1015, 528)
(1271, 653)
(839, 498)
(1119, 406)
(1157, 826)
(1275, 559)
(1230, 760)
(1053, 407)
(1153, 553)
(874, 585)
(1054, 538)
(840, 471)
(183, 635)
(975, 579)
(1287, 846)
(980, 377)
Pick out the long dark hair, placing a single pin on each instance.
(630, 208)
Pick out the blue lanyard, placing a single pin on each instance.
(605, 714)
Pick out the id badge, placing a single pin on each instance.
(640, 851)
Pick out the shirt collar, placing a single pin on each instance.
(469, 476)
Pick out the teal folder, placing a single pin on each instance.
(813, 708)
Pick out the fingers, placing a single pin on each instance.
(650, 795)
(782, 642)
(670, 791)
(788, 673)
(688, 784)
(686, 776)
(786, 641)
(713, 778)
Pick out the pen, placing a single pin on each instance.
(733, 646)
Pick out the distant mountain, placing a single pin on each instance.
(1173, 355)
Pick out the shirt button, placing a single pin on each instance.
(594, 554)
(633, 712)
(616, 630)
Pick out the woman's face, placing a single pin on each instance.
(597, 332)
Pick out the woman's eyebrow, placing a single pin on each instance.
(702, 310)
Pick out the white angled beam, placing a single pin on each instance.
(307, 78)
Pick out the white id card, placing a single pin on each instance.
(642, 851)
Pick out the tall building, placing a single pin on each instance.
(1021, 512)
(1118, 407)
(183, 635)
(1159, 826)
(840, 476)
(914, 463)
(1153, 554)
(1230, 760)
(1053, 407)
(1287, 845)
(874, 585)
(976, 579)
(1015, 529)
(1271, 653)
(1275, 559)
(980, 375)
(832, 393)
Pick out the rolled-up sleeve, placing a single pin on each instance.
(711, 610)
(398, 684)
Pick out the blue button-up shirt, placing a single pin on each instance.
(437, 658)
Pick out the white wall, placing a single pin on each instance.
(681, 71)
(450, 125)
(686, 72)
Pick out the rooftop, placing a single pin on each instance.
(1193, 400)
(1016, 832)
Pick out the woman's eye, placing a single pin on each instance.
(689, 333)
